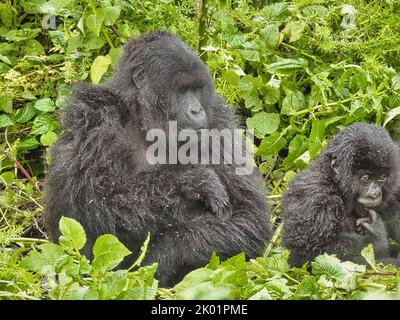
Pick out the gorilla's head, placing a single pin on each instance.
(167, 80)
(364, 161)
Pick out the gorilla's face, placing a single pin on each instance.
(369, 187)
(170, 80)
(187, 107)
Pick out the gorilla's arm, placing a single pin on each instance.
(320, 225)
(244, 228)
(244, 231)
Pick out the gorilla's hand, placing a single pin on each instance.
(366, 223)
(202, 183)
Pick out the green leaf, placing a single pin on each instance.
(248, 85)
(143, 250)
(33, 48)
(6, 104)
(5, 121)
(45, 105)
(72, 234)
(111, 14)
(349, 282)
(22, 34)
(192, 279)
(277, 264)
(293, 102)
(230, 76)
(115, 54)
(278, 288)
(270, 94)
(145, 292)
(108, 252)
(316, 137)
(75, 42)
(264, 123)
(46, 261)
(28, 144)
(48, 138)
(271, 145)
(42, 124)
(76, 292)
(6, 14)
(253, 102)
(25, 114)
(249, 55)
(308, 288)
(8, 176)
(204, 291)
(95, 21)
(5, 59)
(391, 115)
(295, 30)
(81, 25)
(270, 36)
(99, 67)
(113, 284)
(63, 93)
(369, 255)
(263, 294)
(328, 265)
(275, 11)
(285, 66)
(28, 95)
(297, 147)
(214, 262)
(93, 42)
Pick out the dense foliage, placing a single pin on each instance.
(296, 72)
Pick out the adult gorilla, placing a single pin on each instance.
(99, 174)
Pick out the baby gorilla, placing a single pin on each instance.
(338, 204)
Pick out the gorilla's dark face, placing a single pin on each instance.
(170, 80)
(187, 108)
(365, 164)
(368, 186)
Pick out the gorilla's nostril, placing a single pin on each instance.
(374, 196)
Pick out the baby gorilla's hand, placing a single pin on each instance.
(365, 224)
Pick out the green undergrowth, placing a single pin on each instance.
(34, 270)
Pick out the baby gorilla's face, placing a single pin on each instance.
(369, 187)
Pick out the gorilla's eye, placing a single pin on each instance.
(365, 178)
(382, 177)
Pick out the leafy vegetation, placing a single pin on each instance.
(297, 72)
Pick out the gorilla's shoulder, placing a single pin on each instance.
(89, 105)
(94, 95)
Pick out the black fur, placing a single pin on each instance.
(98, 174)
(320, 207)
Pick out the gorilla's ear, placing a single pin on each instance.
(138, 77)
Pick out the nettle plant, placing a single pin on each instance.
(67, 274)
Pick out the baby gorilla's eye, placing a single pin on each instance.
(382, 177)
(365, 178)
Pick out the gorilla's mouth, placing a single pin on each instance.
(369, 202)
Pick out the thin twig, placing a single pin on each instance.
(117, 34)
(274, 239)
(20, 167)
